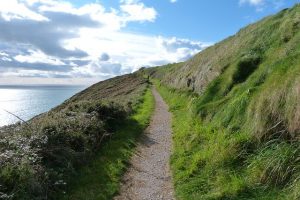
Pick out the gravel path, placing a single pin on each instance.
(149, 176)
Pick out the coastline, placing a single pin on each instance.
(29, 101)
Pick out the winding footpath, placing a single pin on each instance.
(149, 176)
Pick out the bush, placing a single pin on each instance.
(39, 157)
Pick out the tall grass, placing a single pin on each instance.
(210, 162)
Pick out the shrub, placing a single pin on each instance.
(39, 158)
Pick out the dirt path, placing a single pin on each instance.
(149, 177)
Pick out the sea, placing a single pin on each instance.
(26, 102)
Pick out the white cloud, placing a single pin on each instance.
(133, 50)
(3, 54)
(13, 9)
(261, 5)
(55, 39)
(38, 57)
(173, 1)
(53, 6)
(138, 12)
(252, 2)
(6, 59)
(180, 49)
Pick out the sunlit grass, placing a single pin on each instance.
(214, 163)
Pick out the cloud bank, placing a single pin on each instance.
(56, 39)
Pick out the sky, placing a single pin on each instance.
(86, 41)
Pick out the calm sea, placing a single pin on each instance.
(28, 101)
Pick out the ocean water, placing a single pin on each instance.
(29, 101)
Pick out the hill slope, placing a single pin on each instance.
(236, 109)
(39, 159)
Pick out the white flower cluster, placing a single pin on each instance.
(16, 149)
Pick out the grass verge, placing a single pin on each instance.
(101, 178)
(215, 163)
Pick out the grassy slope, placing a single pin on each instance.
(237, 130)
(121, 90)
(101, 178)
(44, 153)
(211, 163)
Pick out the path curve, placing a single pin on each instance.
(149, 176)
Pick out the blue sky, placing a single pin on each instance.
(203, 20)
(71, 42)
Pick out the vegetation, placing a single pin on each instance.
(210, 162)
(38, 158)
(101, 178)
(236, 114)
(236, 124)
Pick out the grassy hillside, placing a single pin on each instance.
(92, 133)
(122, 90)
(236, 109)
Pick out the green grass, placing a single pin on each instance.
(236, 114)
(101, 178)
(210, 162)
